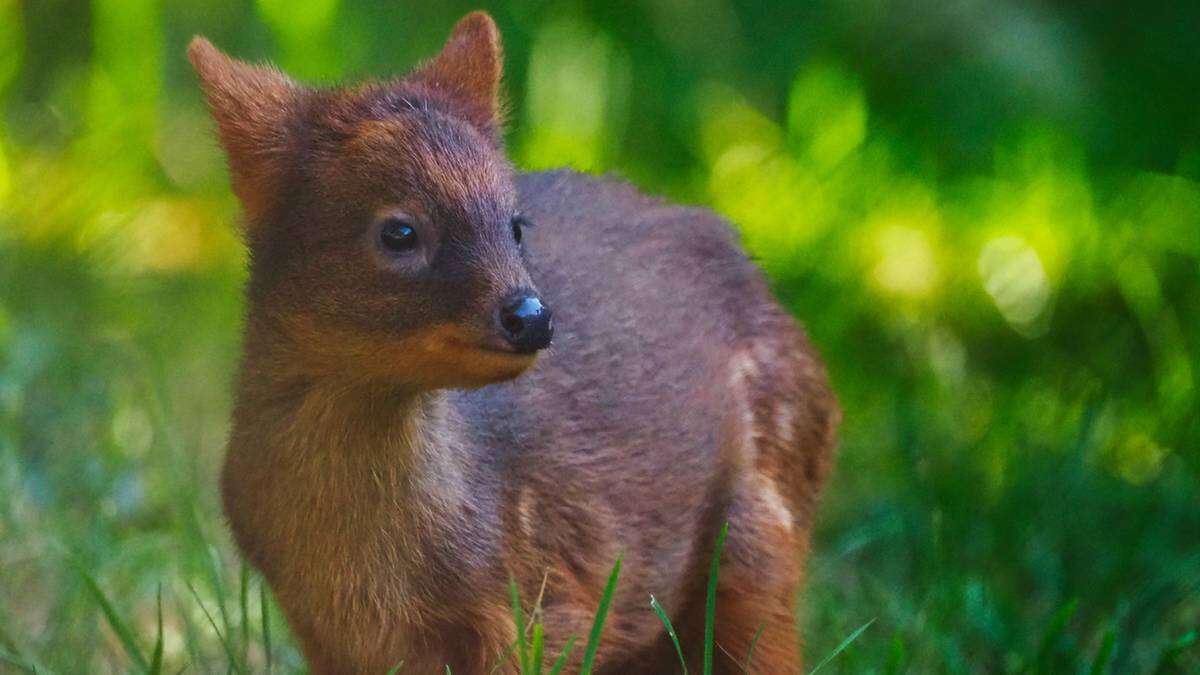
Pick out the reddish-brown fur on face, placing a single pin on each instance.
(316, 170)
(388, 495)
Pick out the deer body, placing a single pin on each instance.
(388, 496)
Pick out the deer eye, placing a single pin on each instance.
(398, 235)
(518, 228)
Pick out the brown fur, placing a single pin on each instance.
(387, 495)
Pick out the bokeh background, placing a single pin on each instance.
(986, 212)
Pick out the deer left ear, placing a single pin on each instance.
(468, 70)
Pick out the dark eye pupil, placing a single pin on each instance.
(517, 229)
(398, 236)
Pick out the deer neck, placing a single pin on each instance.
(322, 465)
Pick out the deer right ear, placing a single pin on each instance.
(253, 107)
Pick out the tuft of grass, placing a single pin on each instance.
(530, 645)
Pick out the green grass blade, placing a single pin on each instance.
(211, 558)
(842, 647)
(218, 588)
(266, 624)
(561, 661)
(538, 647)
(1173, 650)
(156, 659)
(1105, 653)
(593, 643)
(753, 643)
(244, 606)
(396, 668)
(519, 620)
(666, 622)
(710, 602)
(234, 664)
(191, 637)
(896, 657)
(119, 626)
(1054, 631)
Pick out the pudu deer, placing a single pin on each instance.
(404, 440)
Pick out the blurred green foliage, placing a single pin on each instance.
(987, 214)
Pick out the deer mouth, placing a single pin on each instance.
(492, 345)
(502, 348)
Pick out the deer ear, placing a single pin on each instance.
(253, 107)
(468, 70)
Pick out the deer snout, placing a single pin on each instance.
(526, 322)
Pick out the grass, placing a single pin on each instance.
(1013, 550)
(528, 646)
(841, 647)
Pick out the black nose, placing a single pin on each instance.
(527, 324)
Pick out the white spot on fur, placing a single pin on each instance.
(744, 368)
(525, 510)
(775, 508)
(766, 352)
